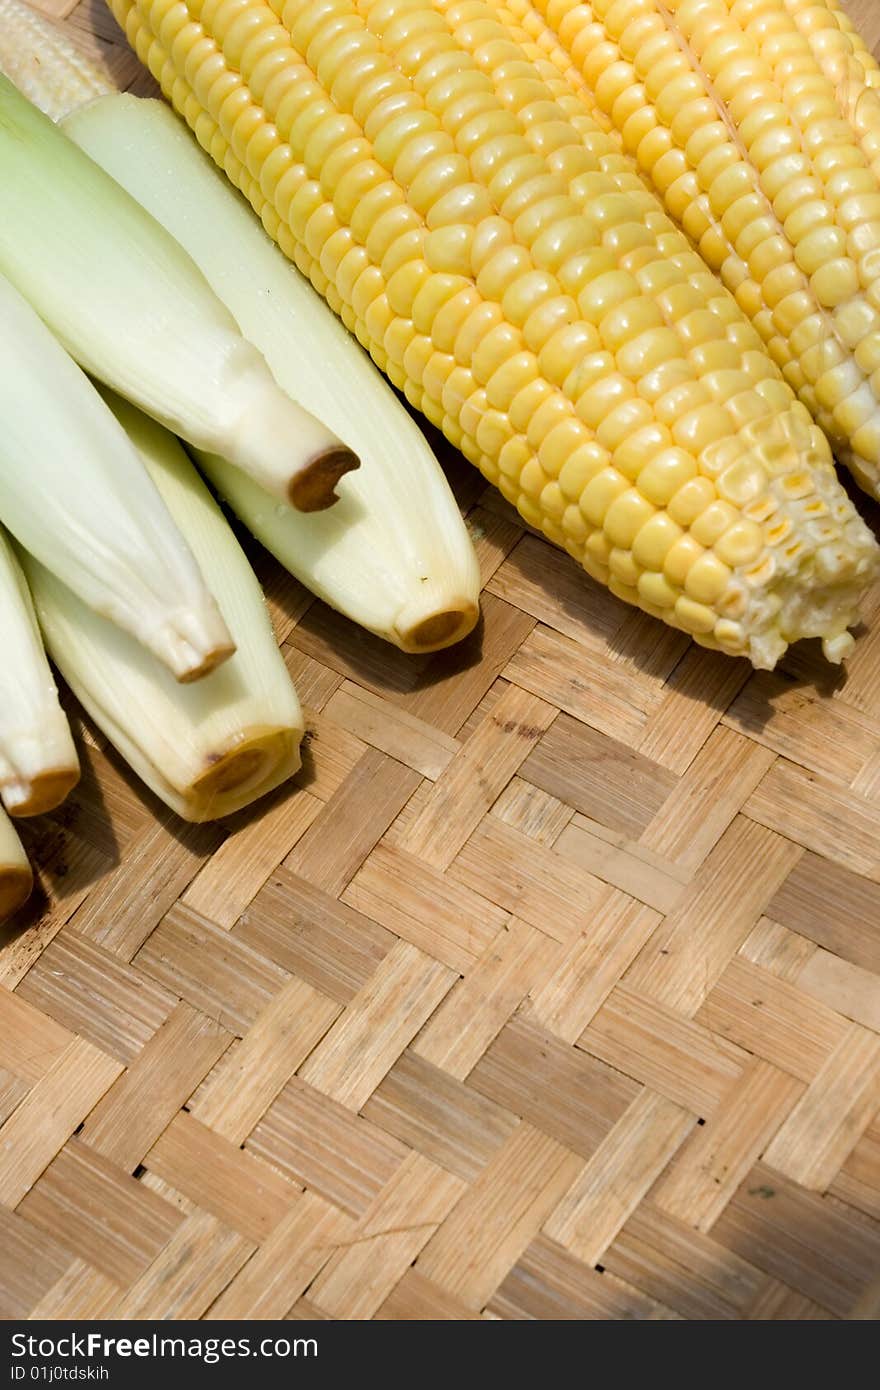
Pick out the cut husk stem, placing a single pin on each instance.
(210, 749)
(130, 305)
(74, 493)
(38, 762)
(16, 875)
(394, 554)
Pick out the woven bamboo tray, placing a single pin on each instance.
(549, 990)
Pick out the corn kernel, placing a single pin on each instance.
(624, 420)
(679, 559)
(836, 374)
(665, 473)
(797, 485)
(500, 344)
(631, 456)
(762, 573)
(867, 354)
(565, 347)
(582, 465)
(623, 568)
(515, 454)
(857, 320)
(529, 511)
(693, 616)
(490, 236)
(527, 401)
(666, 378)
(742, 481)
(598, 400)
(533, 479)
(434, 294)
(680, 401)
(546, 318)
(526, 294)
(438, 370)
(604, 293)
(552, 411)
(560, 442)
(515, 372)
(646, 352)
(502, 270)
(691, 500)
(599, 548)
(866, 444)
(835, 282)
(464, 203)
(656, 590)
(778, 531)
(602, 490)
(582, 269)
(857, 409)
(780, 283)
(731, 635)
(711, 524)
(449, 249)
(562, 242)
(493, 432)
(707, 579)
(699, 428)
(625, 516)
(740, 544)
(575, 528)
(471, 411)
(553, 504)
(587, 371)
(629, 320)
(654, 541)
(821, 245)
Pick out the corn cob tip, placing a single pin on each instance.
(314, 487)
(817, 558)
(814, 608)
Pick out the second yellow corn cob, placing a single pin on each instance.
(519, 283)
(758, 122)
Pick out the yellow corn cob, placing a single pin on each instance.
(511, 273)
(848, 64)
(757, 122)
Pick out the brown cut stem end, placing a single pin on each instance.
(245, 765)
(42, 794)
(16, 886)
(314, 487)
(439, 630)
(209, 662)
